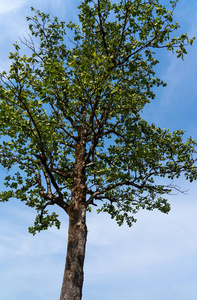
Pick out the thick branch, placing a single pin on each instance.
(49, 195)
(102, 29)
(52, 179)
(62, 125)
(66, 175)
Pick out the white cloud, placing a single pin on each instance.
(10, 5)
(155, 238)
(152, 258)
(158, 247)
(27, 259)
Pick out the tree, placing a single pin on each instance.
(71, 120)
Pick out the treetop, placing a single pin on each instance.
(83, 86)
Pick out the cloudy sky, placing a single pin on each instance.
(157, 257)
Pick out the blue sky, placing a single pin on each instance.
(156, 259)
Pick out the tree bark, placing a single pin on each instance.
(73, 275)
(77, 232)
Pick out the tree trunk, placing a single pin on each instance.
(73, 275)
(77, 232)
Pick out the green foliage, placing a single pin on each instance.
(93, 93)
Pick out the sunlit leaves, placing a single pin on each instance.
(93, 84)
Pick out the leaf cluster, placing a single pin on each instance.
(90, 90)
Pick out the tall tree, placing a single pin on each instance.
(71, 122)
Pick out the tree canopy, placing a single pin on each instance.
(84, 86)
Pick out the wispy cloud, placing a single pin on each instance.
(157, 246)
(25, 258)
(156, 258)
(10, 5)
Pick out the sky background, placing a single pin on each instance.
(156, 259)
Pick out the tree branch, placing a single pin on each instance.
(42, 210)
(101, 28)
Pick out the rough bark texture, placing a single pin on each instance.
(73, 275)
(77, 232)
